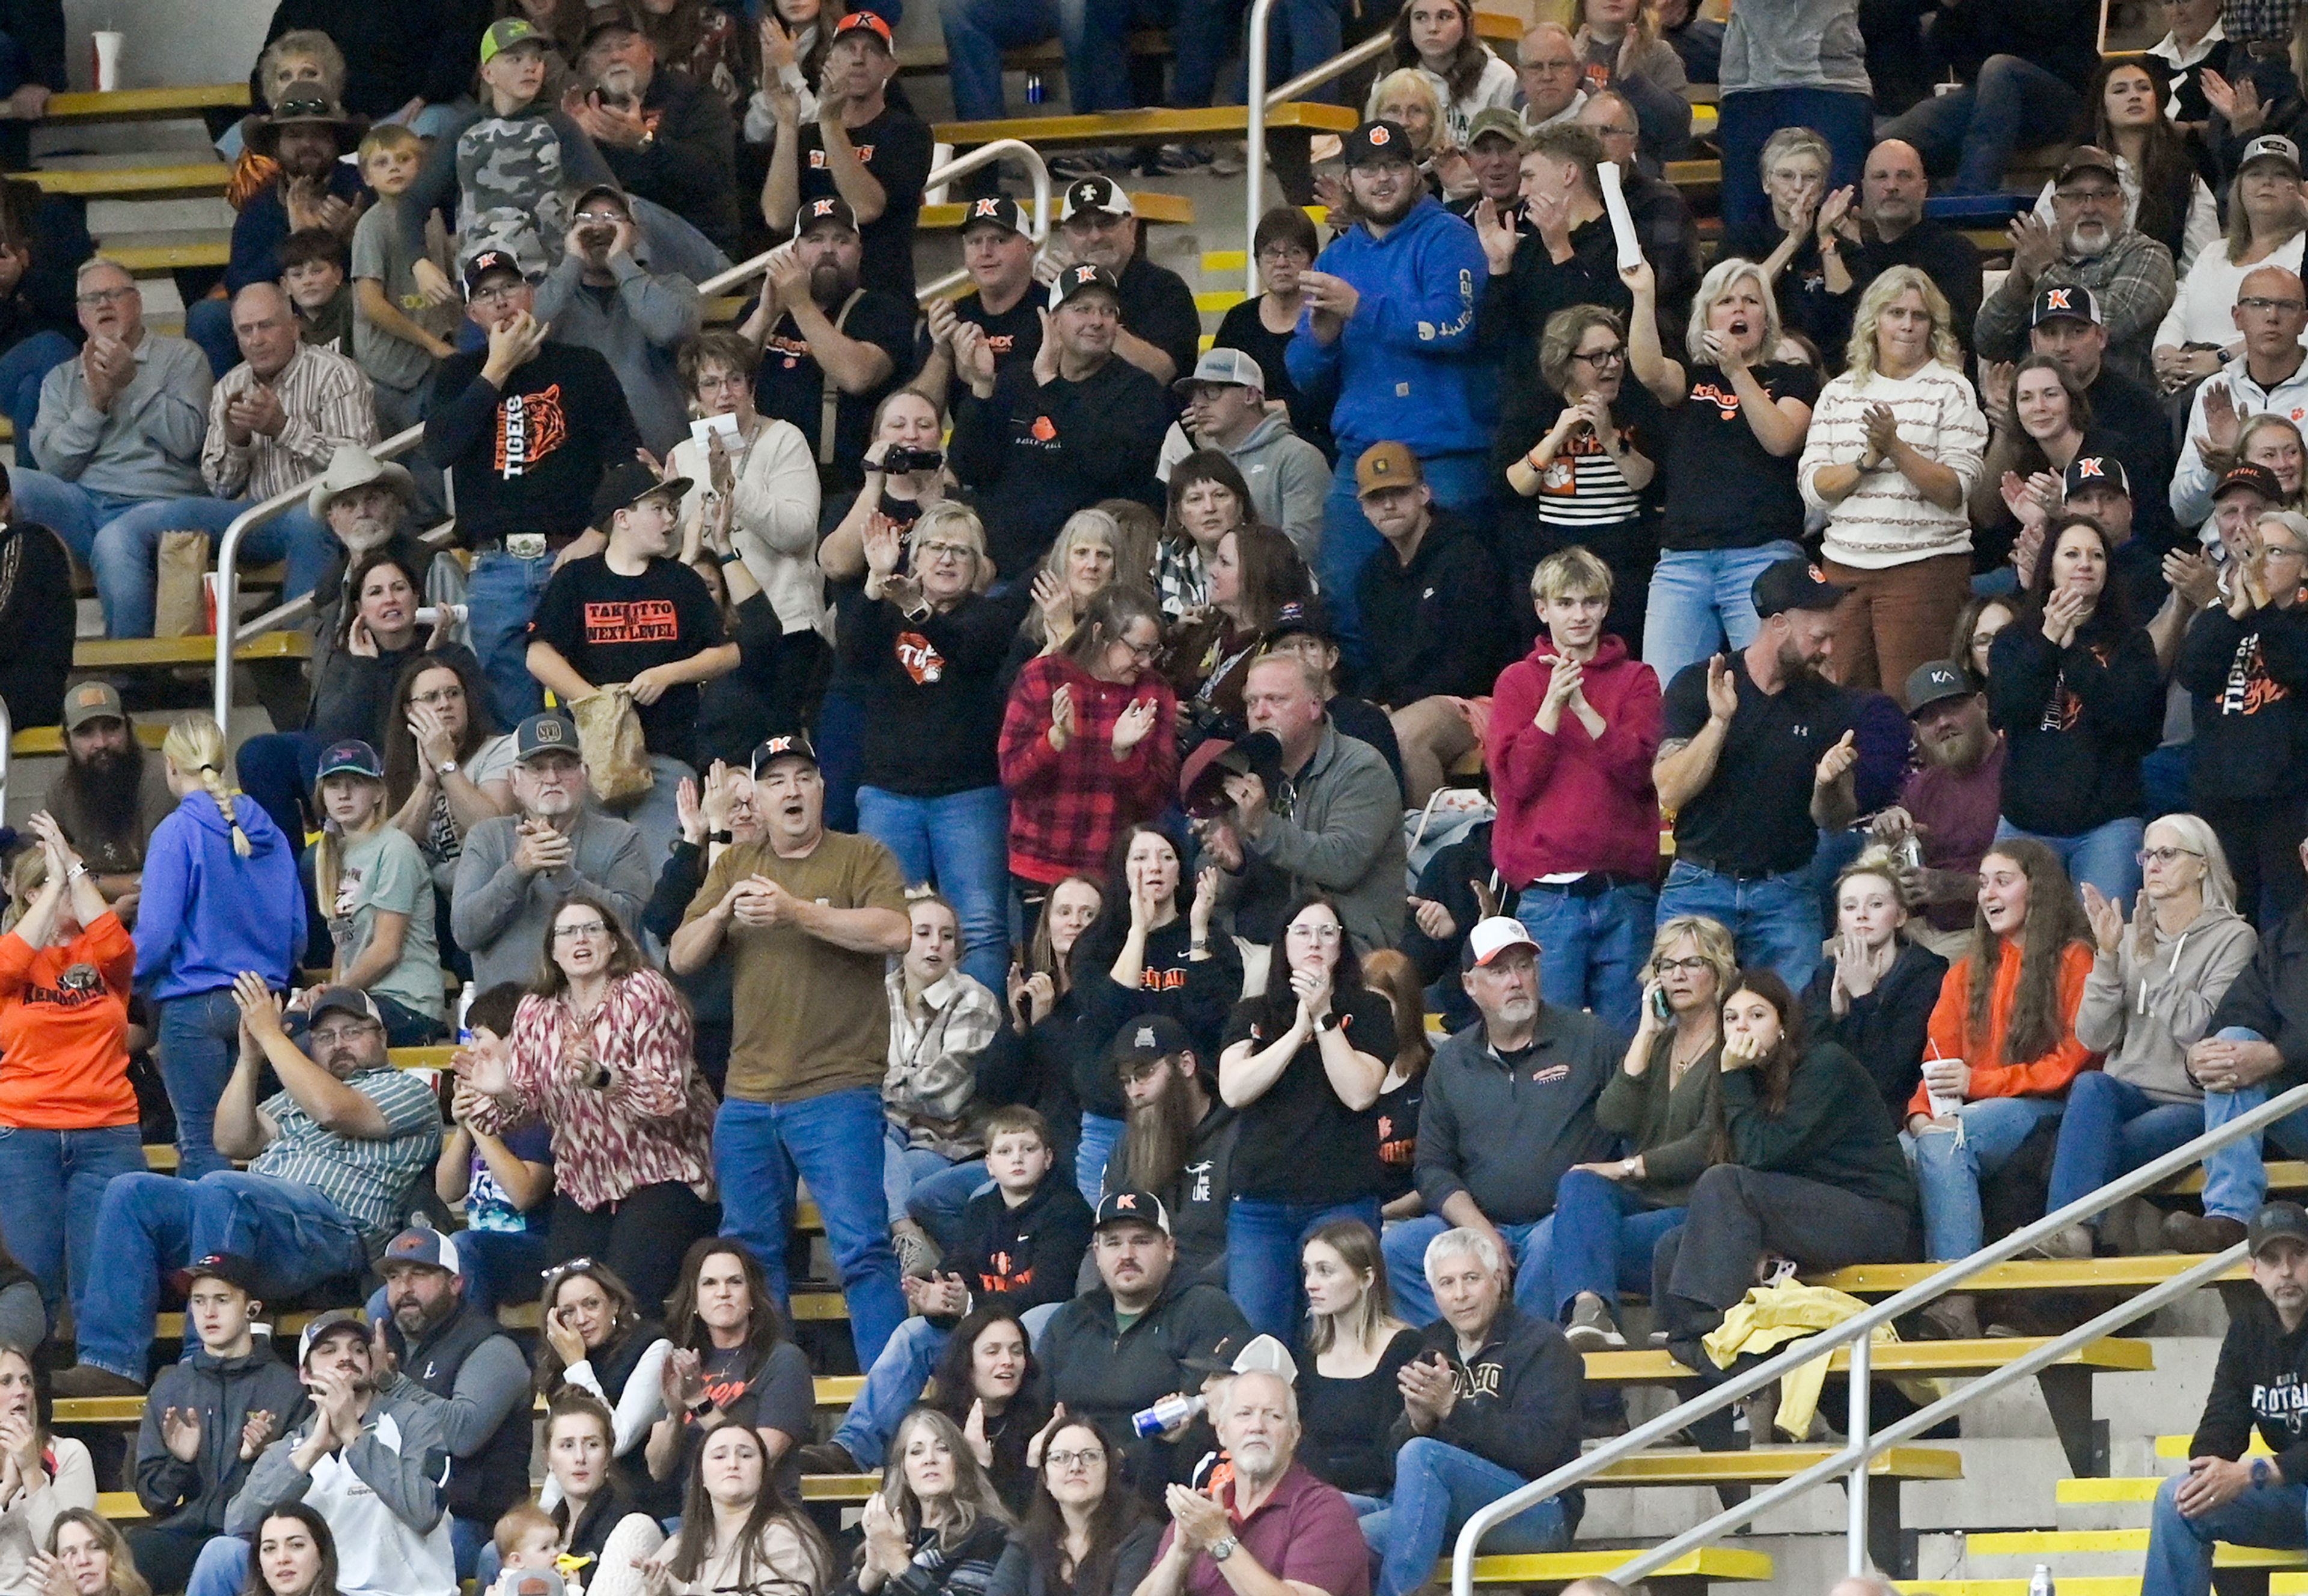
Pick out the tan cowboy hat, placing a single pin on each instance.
(353, 467)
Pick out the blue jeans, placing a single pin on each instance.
(200, 1038)
(52, 1187)
(936, 1204)
(208, 322)
(1701, 596)
(23, 369)
(1460, 481)
(1099, 1137)
(840, 729)
(1974, 128)
(835, 1143)
(502, 596)
(1301, 34)
(961, 844)
(1604, 1236)
(154, 1222)
(1750, 116)
(1404, 1246)
(2111, 1127)
(1950, 1164)
(2180, 1548)
(2235, 1181)
(2106, 856)
(894, 1382)
(127, 551)
(1591, 950)
(976, 32)
(656, 813)
(69, 511)
(902, 1166)
(1263, 1241)
(1774, 920)
(1437, 1488)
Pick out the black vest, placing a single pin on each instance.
(482, 1486)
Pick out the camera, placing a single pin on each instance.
(912, 459)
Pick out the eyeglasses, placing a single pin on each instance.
(2261, 307)
(1680, 967)
(440, 695)
(941, 550)
(1144, 653)
(1602, 357)
(347, 1033)
(586, 928)
(1317, 933)
(2087, 196)
(611, 217)
(96, 297)
(497, 291)
(1075, 1459)
(2147, 856)
(1284, 252)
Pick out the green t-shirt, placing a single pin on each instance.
(383, 870)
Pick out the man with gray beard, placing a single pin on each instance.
(1177, 1141)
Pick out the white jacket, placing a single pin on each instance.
(773, 522)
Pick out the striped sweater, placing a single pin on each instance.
(1885, 520)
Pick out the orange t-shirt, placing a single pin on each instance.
(63, 1025)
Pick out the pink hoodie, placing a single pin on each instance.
(1569, 802)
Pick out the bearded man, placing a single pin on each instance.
(1177, 1141)
(109, 796)
(1949, 806)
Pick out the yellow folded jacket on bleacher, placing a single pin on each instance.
(1769, 1318)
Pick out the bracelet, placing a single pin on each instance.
(80, 868)
(732, 558)
(445, 767)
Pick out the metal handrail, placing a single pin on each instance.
(230, 632)
(1856, 1333)
(1263, 100)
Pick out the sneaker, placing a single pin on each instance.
(1763, 1412)
(1076, 164)
(917, 1255)
(1953, 1317)
(2186, 1231)
(827, 1457)
(1590, 1329)
(1178, 161)
(1229, 160)
(2074, 1241)
(86, 1379)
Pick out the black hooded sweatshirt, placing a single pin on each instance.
(2260, 1382)
(1436, 625)
(2077, 721)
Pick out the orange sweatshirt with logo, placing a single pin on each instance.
(64, 1025)
(2046, 1076)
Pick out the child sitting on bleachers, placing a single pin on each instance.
(313, 264)
(504, 1179)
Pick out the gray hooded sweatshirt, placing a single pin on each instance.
(2143, 1014)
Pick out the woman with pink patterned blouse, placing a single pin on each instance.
(602, 1050)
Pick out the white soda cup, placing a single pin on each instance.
(1942, 1106)
(106, 43)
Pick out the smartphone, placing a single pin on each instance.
(1660, 1010)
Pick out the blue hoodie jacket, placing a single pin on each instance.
(207, 913)
(1406, 364)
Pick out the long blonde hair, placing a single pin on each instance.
(329, 853)
(1859, 354)
(195, 746)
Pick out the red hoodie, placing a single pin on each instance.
(1569, 802)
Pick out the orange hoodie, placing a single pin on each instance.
(2046, 1076)
(63, 1020)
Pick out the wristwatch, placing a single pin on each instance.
(723, 837)
(2260, 1470)
(1223, 1548)
(1329, 1022)
(445, 767)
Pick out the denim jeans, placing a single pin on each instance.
(1974, 128)
(656, 814)
(2106, 856)
(1460, 481)
(1604, 1232)
(1404, 1246)
(1950, 1164)
(2180, 1548)
(1301, 34)
(128, 553)
(936, 1204)
(840, 729)
(277, 769)
(23, 369)
(835, 1141)
(1701, 596)
(1099, 1137)
(976, 32)
(895, 1381)
(208, 322)
(200, 1038)
(1747, 118)
(1591, 950)
(69, 511)
(51, 1189)
(902, 1166)
(501, 597)
(2111, 1127)
(2236, 1181)
(1437, 1488)
(1774, 920)
(151, 1223)
(1263, 1241)
(961, 844)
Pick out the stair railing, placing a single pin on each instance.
(1261, 99)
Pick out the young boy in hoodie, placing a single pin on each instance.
(313, 264)
(207, 1419)
(1570, 740)
(1023, 1239)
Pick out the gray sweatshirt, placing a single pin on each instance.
(148, 444)
(1343, 836)
(636, 327)
(1794, 44)
(382, 1498)
(2143, 1015)
(1503, 1132)
(500, 916)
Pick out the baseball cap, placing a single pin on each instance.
(2086, 158)
(1494, 936)
(1202, 780)
(351, 756)
(2087, 472)
(1388, 465)
(1495, 119)
(595, 190)
(786, 745)
(1080, 280)
(1149, 1039)
(91, 700)
(605, 18)
(422, 1244)
(342, 1000)
(329, 1324)
(233, 1268)
(1932, 683)
(1230, 366)
(832, 208)
(1377, 142)
(1095, 194)
(2250, 474)
(549, 732)
(486, 262)
(868, 23)
(1235, 1354)
(1794, 584)
(998, 211)
(2075, 301)
(506, 32)
(1139, 1207)
(1306, 617)
(626, 484)
(2272, 147)
(2276, 1220)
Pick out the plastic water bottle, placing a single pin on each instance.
(464, 1008)
(1168, 1414)
(2041, 1585)
(1035, 92)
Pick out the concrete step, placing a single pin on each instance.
(180, 136)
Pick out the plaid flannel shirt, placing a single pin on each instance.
(1067, 808)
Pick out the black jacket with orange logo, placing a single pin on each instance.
(529, 455)
(2250, 682)
(1030, 1253)
(2077, 721)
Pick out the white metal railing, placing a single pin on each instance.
(1863, 1443)
(1263, 100)
(231, 631)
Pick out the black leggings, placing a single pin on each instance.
(642, 1237)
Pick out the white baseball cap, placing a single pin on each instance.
(1493, 935)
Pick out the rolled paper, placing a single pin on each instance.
(1623, 220)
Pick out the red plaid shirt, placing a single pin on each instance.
(1066, 809)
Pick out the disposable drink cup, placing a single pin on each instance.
(106, 44)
